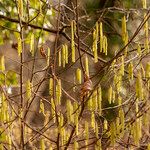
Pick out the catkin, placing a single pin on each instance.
(32, 44)
(78, 75)
(2, 63)
(19, 46)
(72, 41)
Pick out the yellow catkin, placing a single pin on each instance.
(113, 96)
(69, 111)
(113, 133)
(119, 100)
(95, 46)
(20, 8)
(32, 44)
(94, 100)
(101, 36)
(144, 4)
(51, 83)
(125, 43)
(110, 91)
(148, 146)
(99, 99)
(48, 56)
(147, 74)
(59, 58)
(19, 46)
(62, 135)
(76, 145)
(76, 121)
(124, 28)
(61, 122)
(97, 29)
(93, 121)
(42, 143)
(86, 65)
(105, 124)
(90, 103)
(96, 130)
(2, 63)
(105, 45)
(99, 144)
(139, 86)
(146, 45)
(42, 110)
(58, 92)
(130, 70)
(122, 66)
(78, 76)
(64, 55)
(72, 41)
(28, 89)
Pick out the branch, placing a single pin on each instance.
(26, 23)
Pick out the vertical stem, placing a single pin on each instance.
(21, 91)
(21, 82)
(78, 37)
(54, 71)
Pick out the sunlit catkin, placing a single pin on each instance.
(147, 74)
(20, 8)
(139, 86)
(144, 4)
(105, 124)
(99, 100)
(86, 65)
(122, 66)
(76, 145)
(95, 46)
(51, 83)
(19, 46)
(59, 58)
(32, 44)
(72, 41)
(69, 111)
(78, 75)
(48, 56)
(130, 71)
(42, 110)
(64, 55)
(2, 63)
(93, 121)
(105, 45)
(58, 92)
(113, 133)
(101, 36)
(42, 144)
(94, 100)
(110, 91)
(124, 28)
